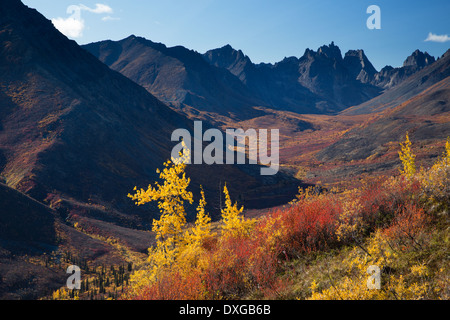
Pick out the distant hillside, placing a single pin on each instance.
(389, 77)
(420, 106)
(320, 81)
(179, 77)
(33, 240)
(426, 76)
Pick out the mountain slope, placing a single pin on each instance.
(389, 77)
(26, 228)
(68, 122)
(24, 219)
(425, 116)
(34, 247)
(179, 77)
(427, 76)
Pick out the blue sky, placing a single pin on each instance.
(265, 30)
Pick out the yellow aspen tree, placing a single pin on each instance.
(447, 152)
(202, 228)
(233, 221)
(408, 158)
(191, 253)
(171, 196)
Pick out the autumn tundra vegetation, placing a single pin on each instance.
(320, 246)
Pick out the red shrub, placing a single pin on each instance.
(381, 201)
(407, 227)
(174, 286)
(243, 263)
(310, 225)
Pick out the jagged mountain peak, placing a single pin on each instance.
(387, 68)
(133, 40)
(330, 51)
(228, 48)
(308, 52)
(359, 65)
(359, 55)
(390, 77)
(414, 82)
(356, 53)
(419, 59)
(225, 56)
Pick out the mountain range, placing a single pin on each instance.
(319, 82)
(420, 105)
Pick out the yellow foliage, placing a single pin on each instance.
(274, 229)
(192, 254)
(234, 223)
(354, 285)
(177, 249)
(181, 252)
(436, 181)
(170, 196)
(350, 222)
(64, 294)
(303, 195)
(447, 152)
(202, 228)
(408, 158)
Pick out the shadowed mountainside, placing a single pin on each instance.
(389, 77)
(422, 79)
(318, 82)
(420, 106)
(24, 219)
(69, 123)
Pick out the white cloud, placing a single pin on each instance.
(70, 27)
(437, 38)
(99, 8)
(109, 18)
(74, 25)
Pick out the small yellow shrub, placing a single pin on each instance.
(354, 285)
